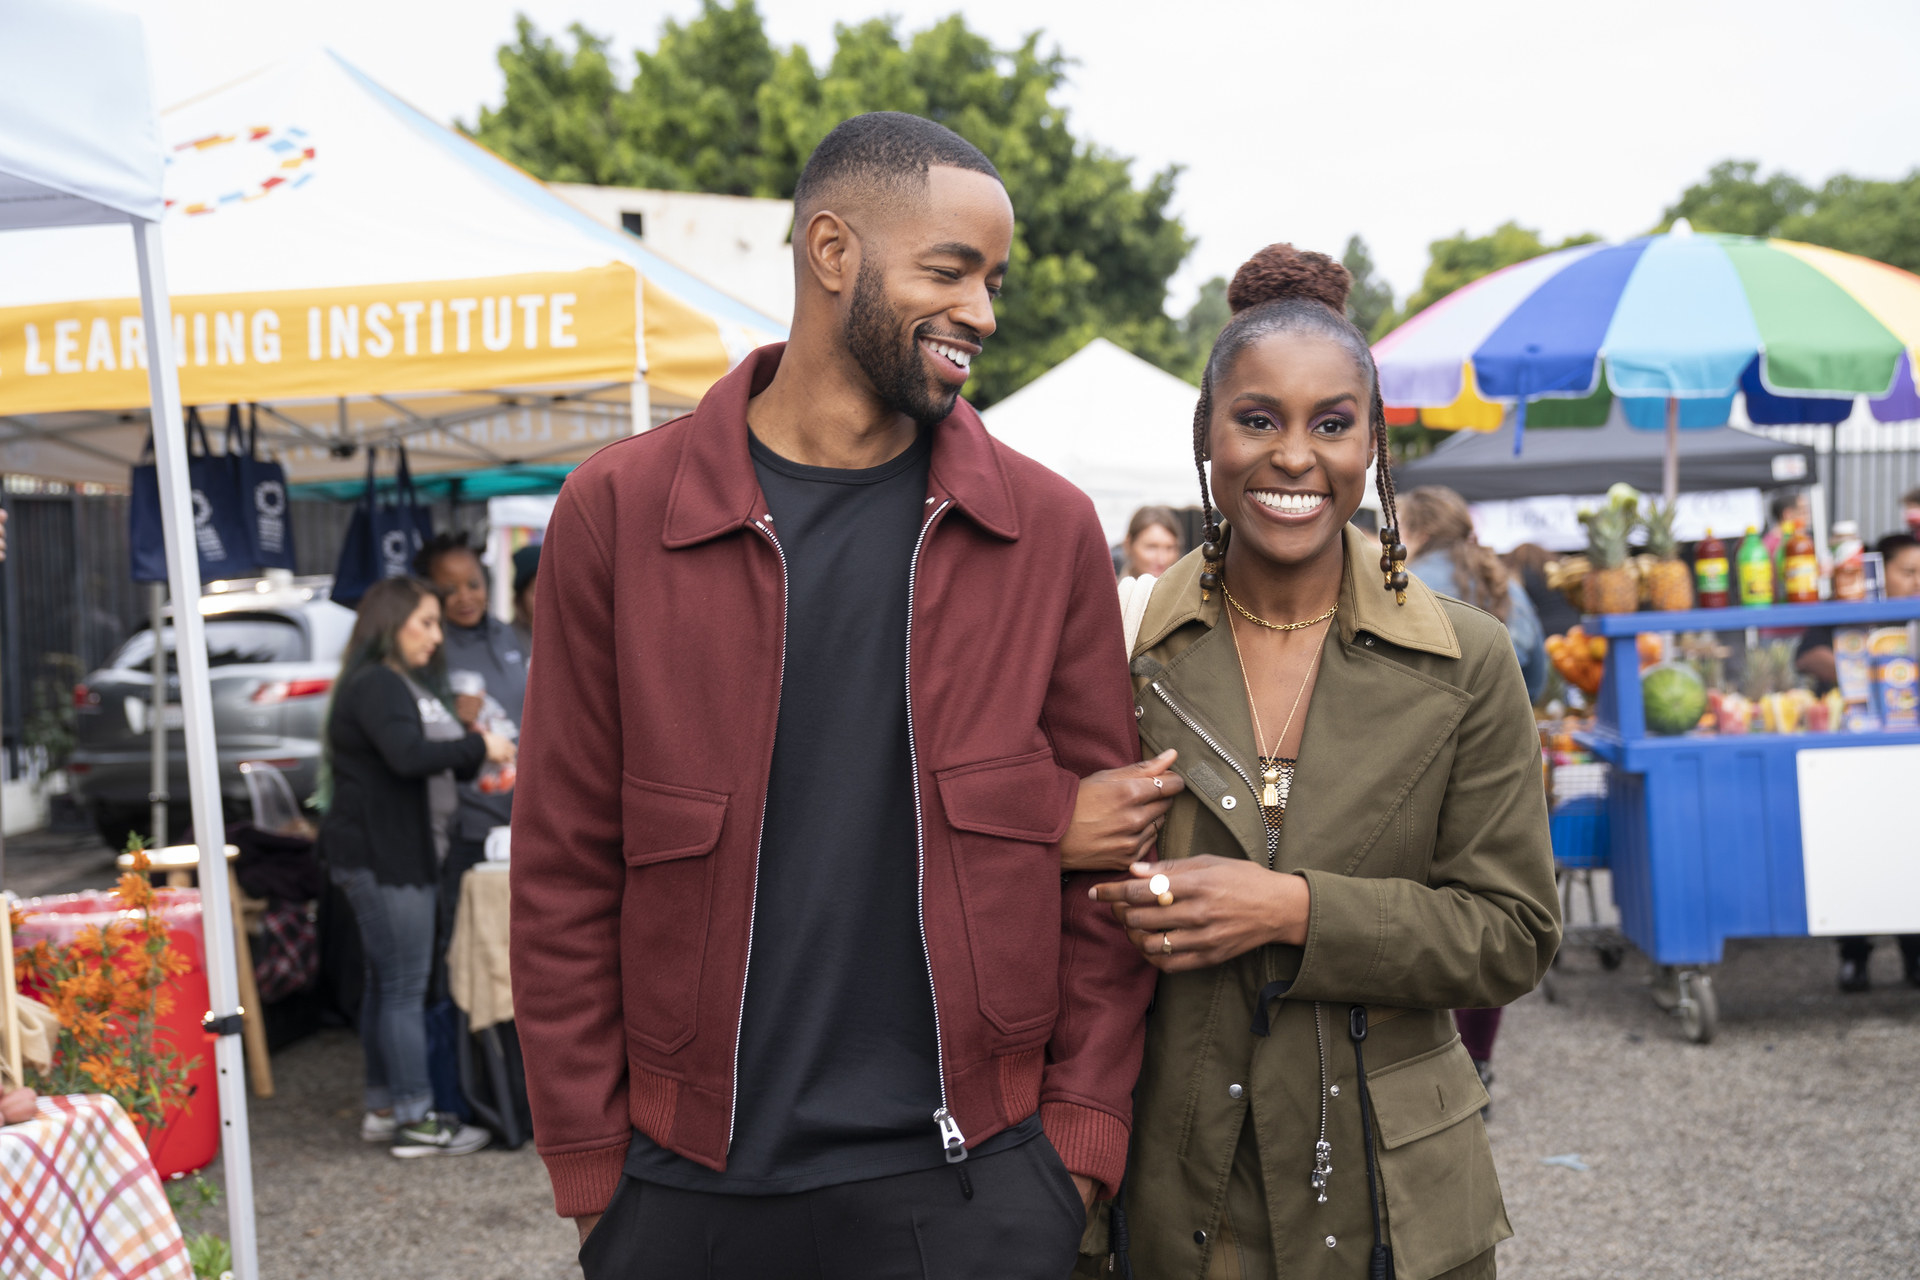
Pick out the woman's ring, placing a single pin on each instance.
(1162, 890)
(1166, 944)
(1158, 783)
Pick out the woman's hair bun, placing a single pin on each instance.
(1281, 271)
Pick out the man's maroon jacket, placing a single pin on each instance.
(649, 731)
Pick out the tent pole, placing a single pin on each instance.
(641, 405)
(1670, 470)
(157, 796)
(203, 763)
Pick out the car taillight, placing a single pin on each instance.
(288, 690)
(84, 698)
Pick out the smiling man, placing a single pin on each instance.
(830, 683)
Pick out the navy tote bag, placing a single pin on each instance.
(219, 521)
(262, 486)
(383, 536)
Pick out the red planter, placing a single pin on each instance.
(190, 1138)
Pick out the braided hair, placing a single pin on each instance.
(1282, 289)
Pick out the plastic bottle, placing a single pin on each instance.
(1802, 566)
(1849, 568)
(1710, 574)
(1756, 570)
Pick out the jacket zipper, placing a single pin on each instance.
(1322, 1150)
(759, 839)
(1218, 750)
(952, 1141)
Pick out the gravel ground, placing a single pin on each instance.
(1788, 1147)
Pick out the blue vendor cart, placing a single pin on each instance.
(1729, 835)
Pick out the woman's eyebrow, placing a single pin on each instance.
(1320, 406)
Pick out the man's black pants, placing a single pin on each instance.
(1022, 1222)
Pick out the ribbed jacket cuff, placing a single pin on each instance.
(584, 1181)
(1091, 1143)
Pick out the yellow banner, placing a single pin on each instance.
(518, 330)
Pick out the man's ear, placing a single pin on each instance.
(833, 251)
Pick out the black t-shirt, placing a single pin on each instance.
(838, 1071)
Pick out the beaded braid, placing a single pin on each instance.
(1214, 549)
(1393, 553)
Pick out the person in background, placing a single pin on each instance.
(1153, 542)
(394, 750)
(1528, 563)
(1448, 557)
(478, 642)
(1788, 507)
(526, 564)
(1438, 529)
(1909, 512)
(1901, 552)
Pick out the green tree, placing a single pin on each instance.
(1371, 297)
(1733, 198)
(716, 107)
(1856, 215)
(1195, 331)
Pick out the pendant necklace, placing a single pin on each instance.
(1271, 796)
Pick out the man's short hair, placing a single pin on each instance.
(1911, 498)
(883, 155)
(1782, 503)
(1895, 543)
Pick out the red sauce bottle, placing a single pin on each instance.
(1711, 572)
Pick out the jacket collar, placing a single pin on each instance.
(716, 492)
(1420, 623)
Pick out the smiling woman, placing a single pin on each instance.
(1361, 844)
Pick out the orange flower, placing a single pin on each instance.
(173, 962)
(141, 862)
(135, 891)
(17, 918)
(108, 1074)
(89, 1024)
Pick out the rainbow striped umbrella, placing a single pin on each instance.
(1675, 326)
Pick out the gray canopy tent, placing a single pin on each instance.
(1481, 466)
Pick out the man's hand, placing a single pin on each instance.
(586, 1222)
(1219, 908)
(1118, 814)
(1086, 1186)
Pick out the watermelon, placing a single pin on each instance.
(1673, 696)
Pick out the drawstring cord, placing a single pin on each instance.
(1380, 1265)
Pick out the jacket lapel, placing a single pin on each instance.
(1203, 685)
(1373, 728)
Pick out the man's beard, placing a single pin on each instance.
(895, 368)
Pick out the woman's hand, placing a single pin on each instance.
(1118, 814)
(1221, 908)
(16, 1105)
(499, 750)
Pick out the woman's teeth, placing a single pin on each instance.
(959, 357)
(1290, 504)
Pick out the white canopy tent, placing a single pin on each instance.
(365, 274)
(80, 148)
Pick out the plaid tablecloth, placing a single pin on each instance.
(79, 1198)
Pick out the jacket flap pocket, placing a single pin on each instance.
(1425, 1094)
(1018, 798)
(663, 822)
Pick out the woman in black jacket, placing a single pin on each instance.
(395, 750)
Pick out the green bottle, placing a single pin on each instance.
(1755, 567)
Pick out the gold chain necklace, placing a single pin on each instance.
(1250, 616)
(1270, 773)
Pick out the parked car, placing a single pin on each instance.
(273, 648)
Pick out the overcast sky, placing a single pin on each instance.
(1306, 122)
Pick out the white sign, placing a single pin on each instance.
(1554, 522)
(1858, 843)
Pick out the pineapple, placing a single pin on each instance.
(1612, 586)
(1669, 581)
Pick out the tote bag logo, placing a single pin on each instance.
(396, 550)
(208, 537)
(270, 516)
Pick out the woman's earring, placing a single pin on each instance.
(1212, 552)
(1393, 563)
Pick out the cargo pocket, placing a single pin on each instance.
(669, 834)
(1436, 1170)
(1006, 815)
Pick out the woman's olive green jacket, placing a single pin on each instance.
(1418, 818)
